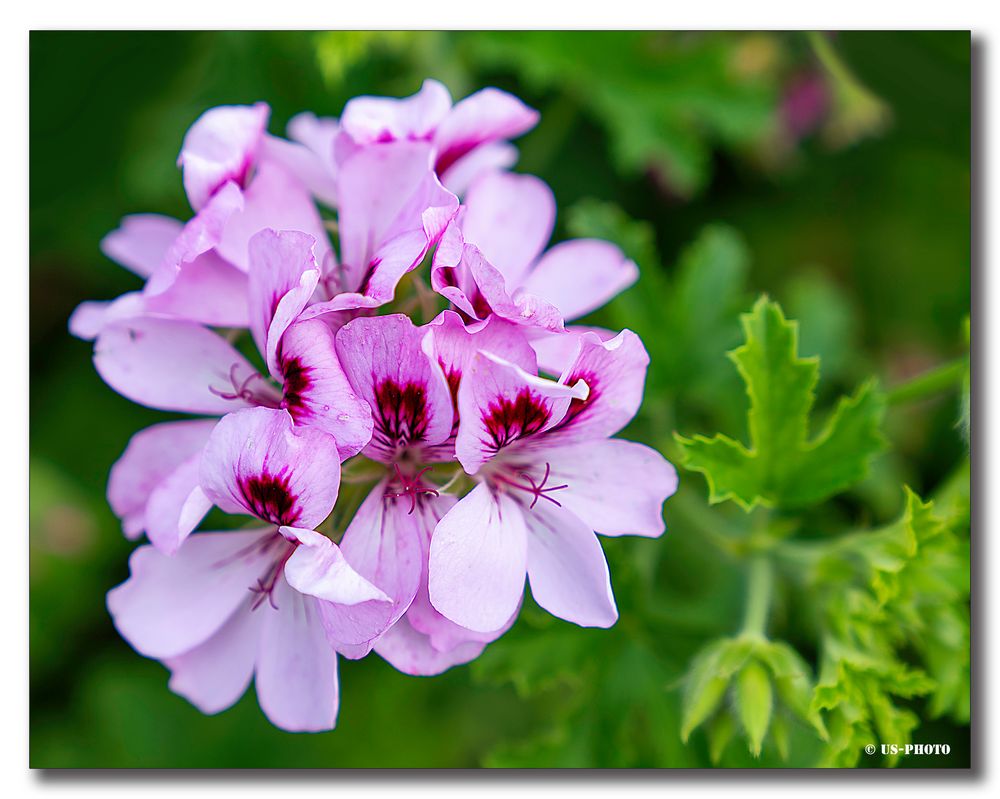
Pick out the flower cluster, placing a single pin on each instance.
(401, 481)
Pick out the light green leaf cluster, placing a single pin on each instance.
(768, 685)
(783, 467)
(911, 593)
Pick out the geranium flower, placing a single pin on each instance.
(548, 477)
(181, 366)
(268, 603)
(491, 261)
(409, 385)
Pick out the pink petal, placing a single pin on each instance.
(615, 374)
(557, 350)
(408, 394)
(510, 219)
(567, 569)
(313, 168)
(208, 290)
(215, 674)
(579, 276)
(171, 365)
(500, 403)
(221, 146)
(176, 506)
(316, 390)
(477, 561)
(274, 199)
(392, 210)
(353, 611)
(256, 461)
(617, 487)
(141, 241)
(90, 317)
(487, 116)
(371, 120)
(283, 276)
(172, 603)
(483, 159)
(383, 543)
(411, 652)
(296, 674)
(149, 459)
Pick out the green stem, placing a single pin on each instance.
(943, 378)
(760, 578)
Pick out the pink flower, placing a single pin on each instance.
(548, 477)
(182, 366)
(467, 138)
(491, 259)
(387, 541)
(270, 603)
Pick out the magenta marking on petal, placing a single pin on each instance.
(400, 415)
(296, 383)
(578, 406)
(369, 274)
(508, 421)
(270, 498)
(448, 157)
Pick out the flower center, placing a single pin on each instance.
(411, 486)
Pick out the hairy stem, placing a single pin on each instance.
(760, 579)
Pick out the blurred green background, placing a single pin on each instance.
(834, 172)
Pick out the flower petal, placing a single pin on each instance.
(567, 569)
(487, 116)
(296, 674)
(221, 146)
(216, 673)
(411, 652)
(510, 219)
(283, 276)
(386, 366)
(371, 120)
(392, 210)
(176, 506)
(579, 276)
(316, 390)
(274, 199)
(382, 543)
(140, 241)
(256, 461)
(149, 459)
(617, 487)
(172, 365)
(172, 603)
(477, 561)
(483, 159)
(615, 374)
(500, 403)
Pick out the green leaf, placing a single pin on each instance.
(707, 680)
(792, 680)
(754, 702)
(783, 467)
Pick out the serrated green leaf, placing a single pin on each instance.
(783, 467)
(754, 701)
